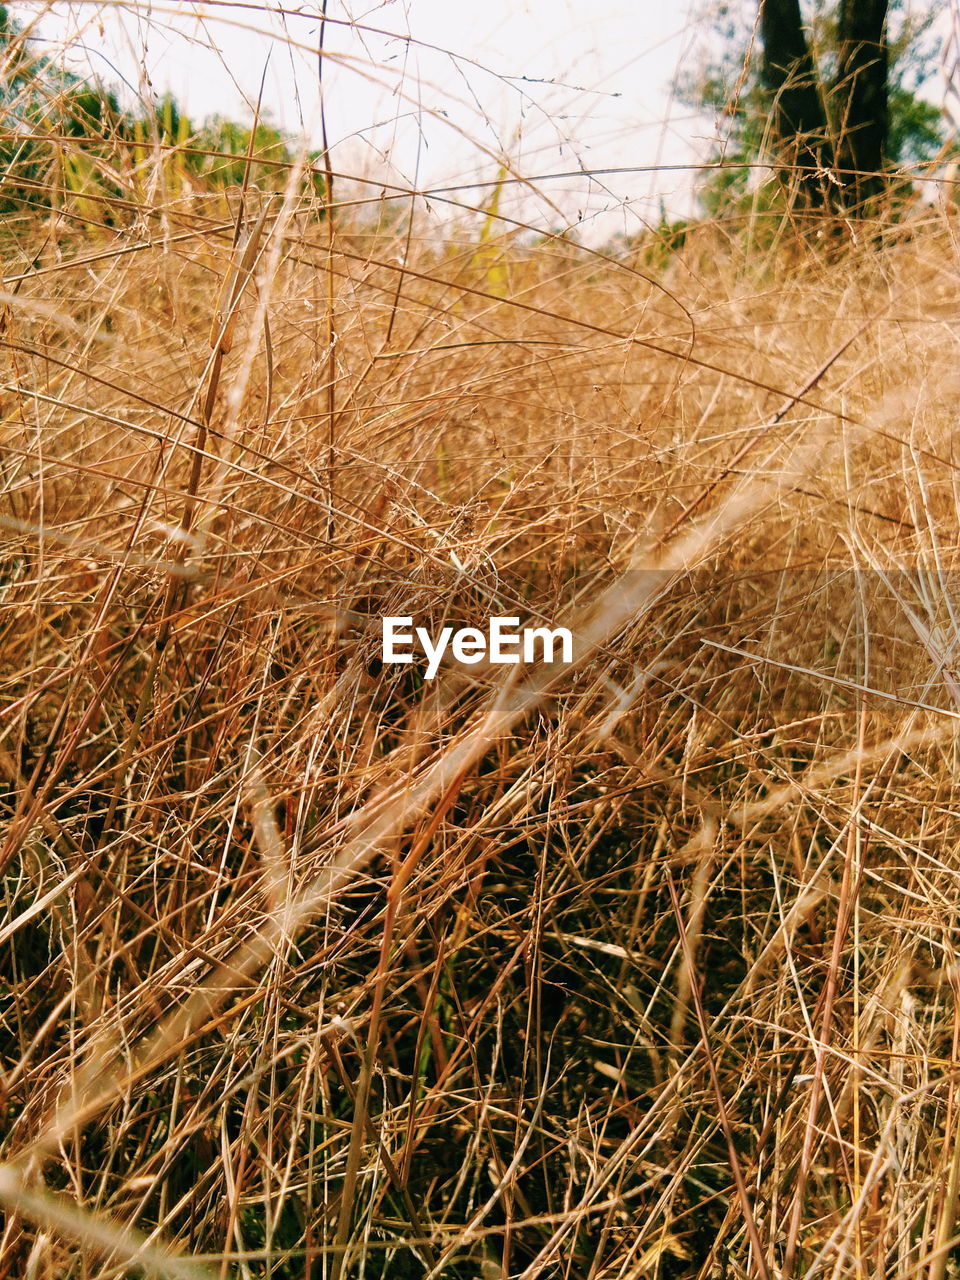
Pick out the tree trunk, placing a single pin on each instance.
(862, 101)
(800, 121)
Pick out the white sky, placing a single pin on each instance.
(443, 107)
(553, 85)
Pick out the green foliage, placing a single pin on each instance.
(728, 84)
(221, 147)
(219, 150)
(67, 143)
(916, 128)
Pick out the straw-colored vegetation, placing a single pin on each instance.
(641, 968)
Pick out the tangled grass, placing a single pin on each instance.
(639, 966)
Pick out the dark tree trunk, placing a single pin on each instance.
(799, 118)
(862, 101)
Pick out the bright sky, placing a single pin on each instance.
(427, 93)
(433, 93)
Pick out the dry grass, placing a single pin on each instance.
(638, 968)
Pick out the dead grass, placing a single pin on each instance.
(643, 967)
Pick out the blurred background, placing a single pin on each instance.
(604, 112)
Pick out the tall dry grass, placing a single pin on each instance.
(640, 967)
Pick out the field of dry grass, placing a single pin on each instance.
(641, 966)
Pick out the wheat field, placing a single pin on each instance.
(637, 966)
